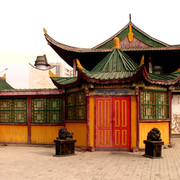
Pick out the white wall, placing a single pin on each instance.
(175, 127)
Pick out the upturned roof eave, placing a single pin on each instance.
(160, 82)
(109, 81)
(68, 85)
(51, 41)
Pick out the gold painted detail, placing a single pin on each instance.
(79, 64)
(177, 71)
(45, 32)
(51, 74)
(142, 61)
(130, 34)
(4, 76)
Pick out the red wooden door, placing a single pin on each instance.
(121, 122)
(113, 122)
(103, 122)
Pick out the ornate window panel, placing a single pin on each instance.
(13, 110)
(46, 110)
(154, 105)
(76, 106)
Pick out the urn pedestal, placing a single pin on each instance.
(153, 149)
(64, 147)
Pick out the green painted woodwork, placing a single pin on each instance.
(166, 77)
(154, 105)
(139, 35)
(109, 44)
(46, 110)
(76, 106)
(4, 85)
(146, 39)
(13, 110)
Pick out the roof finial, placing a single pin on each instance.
(130, 17)
(116, 43)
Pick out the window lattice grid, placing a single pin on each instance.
(154, 105)
(19, 116)
(5, 116)
(163, 112)
(76, 106)
(5, 104)
(148, 112)
(13, 110)
(46, 110)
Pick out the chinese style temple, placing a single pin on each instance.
(118, 101)
(121, 89)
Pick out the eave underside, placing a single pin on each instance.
(90, 59)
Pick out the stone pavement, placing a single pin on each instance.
(35, 162)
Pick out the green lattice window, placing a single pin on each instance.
(76, 106)
(13, 111)
(154, 105)
(46, 110)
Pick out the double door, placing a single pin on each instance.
(113, 122)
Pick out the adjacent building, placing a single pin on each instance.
(39, 73)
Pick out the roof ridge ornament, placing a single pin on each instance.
(45, 32)
(79, 64)
(130, 34)
(142, 61)
(116, 43)
(51, 74)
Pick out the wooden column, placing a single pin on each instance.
(150, 64)
(74, 68)
(29, 119)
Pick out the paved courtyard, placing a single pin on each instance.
(35, 162)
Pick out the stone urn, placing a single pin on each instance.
(64, 144)
(153, 144)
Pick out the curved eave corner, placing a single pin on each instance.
(68, 85)
(161, 82)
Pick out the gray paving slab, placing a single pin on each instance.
(37, 162)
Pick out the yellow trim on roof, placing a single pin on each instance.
(142, 61)
(79, 64)
(45, 32)
(51, 74)
(4, 76)
(130, 34)
(116, 43)
(177, 71)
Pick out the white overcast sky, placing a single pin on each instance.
(79, 23)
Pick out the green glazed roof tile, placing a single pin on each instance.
(116, 65)
(64, 80)
(115, 61)
(4, 85)
(165, 77)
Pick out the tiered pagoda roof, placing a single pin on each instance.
(116, 67)
(133, 41)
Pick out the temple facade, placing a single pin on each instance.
(121, 89)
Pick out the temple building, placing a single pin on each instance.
(120, 90)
